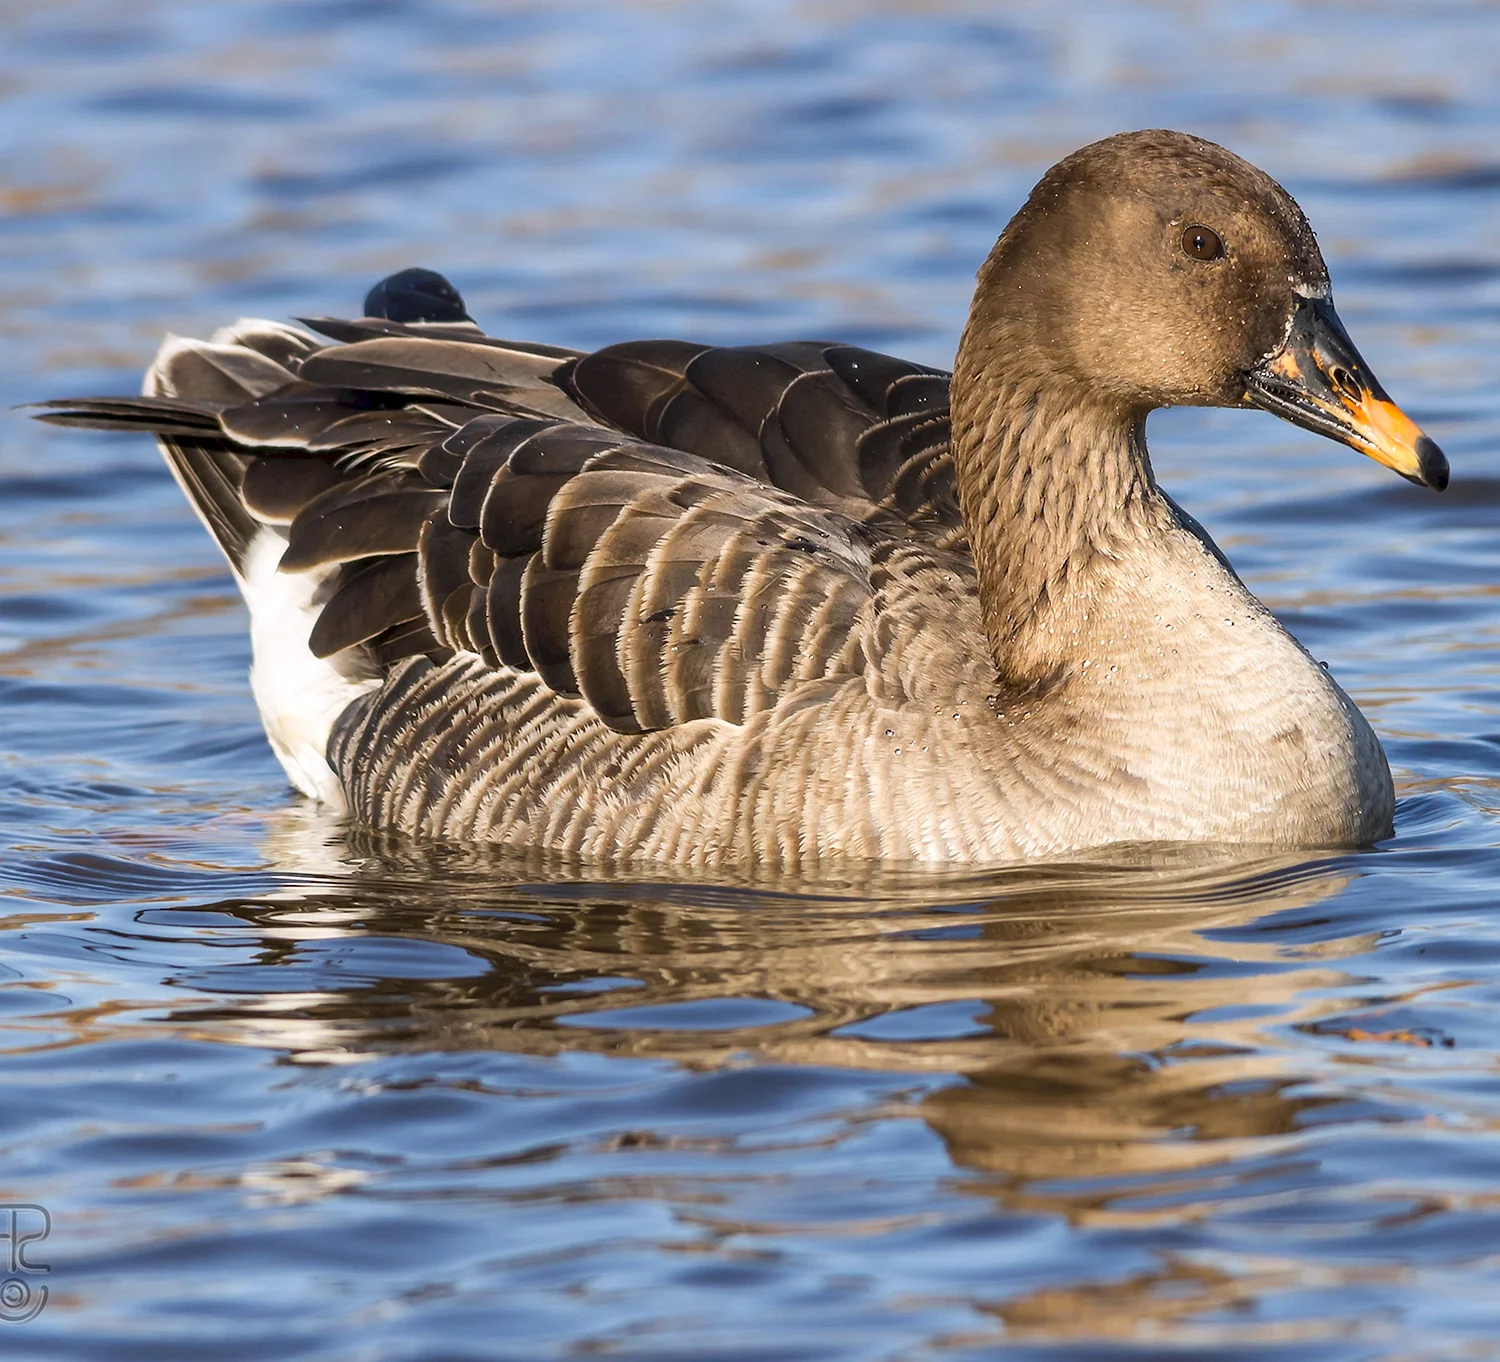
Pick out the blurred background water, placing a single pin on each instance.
(292, 1093)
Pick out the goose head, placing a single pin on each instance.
(1156, 269)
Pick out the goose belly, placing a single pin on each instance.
(1266, 749)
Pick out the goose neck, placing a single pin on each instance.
(1055, 487)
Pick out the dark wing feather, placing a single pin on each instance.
(298, 413)
(154, 415)
(369, 328)
(836, 425)
(672, 531)
(375, 515)
(479, 375)
(660, 587)
(275, 490)
(372, 597)
(442, 568)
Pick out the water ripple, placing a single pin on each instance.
(290, 1091)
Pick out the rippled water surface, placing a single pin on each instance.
(290, 1093)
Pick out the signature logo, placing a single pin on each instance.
(21, 1226)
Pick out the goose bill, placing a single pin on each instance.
(1318, 380)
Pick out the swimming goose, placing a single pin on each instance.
(785, 604)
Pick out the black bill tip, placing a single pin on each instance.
(1434, 464)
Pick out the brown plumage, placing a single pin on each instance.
(780, 603)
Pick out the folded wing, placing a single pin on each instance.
(672, 532)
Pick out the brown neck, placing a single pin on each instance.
(1052, 483)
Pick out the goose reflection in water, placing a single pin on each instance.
(1089, 1011)
(1090, 1042)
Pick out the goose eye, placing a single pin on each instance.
(1202, 243)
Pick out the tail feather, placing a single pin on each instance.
(153, 415)
(211, 474)
(187, 388)
(253, 440)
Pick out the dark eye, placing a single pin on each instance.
(1202, 243)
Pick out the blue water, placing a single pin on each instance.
(287, 1092)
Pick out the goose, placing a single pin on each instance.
(784, 605)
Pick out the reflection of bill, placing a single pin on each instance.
(22, 1225)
